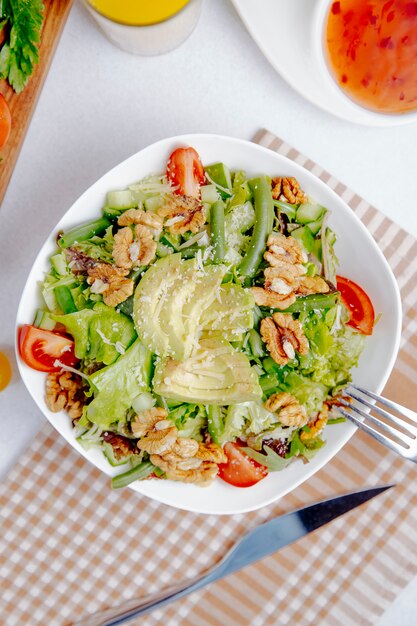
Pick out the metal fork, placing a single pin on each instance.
(401, 428)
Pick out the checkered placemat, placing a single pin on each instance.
(70, 546)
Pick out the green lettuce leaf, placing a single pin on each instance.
(333, 352)
(247, 418)
(271, 459)
(100, 334)
(193, 421)
(117, 385)
(308, 392)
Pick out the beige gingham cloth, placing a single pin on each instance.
(70, 546)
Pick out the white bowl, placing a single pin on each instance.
(319, 23)
(360, 260)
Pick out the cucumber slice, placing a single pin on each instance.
(309, 213)
(220, 174)
(50, 300)
(305, 237)
(59, 264)
(43, 320)
(153, 203)
(209, 194)
(240, 219)
(120, 199)
(109, 454)
(315, 226)
(173, 241)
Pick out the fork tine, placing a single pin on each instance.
(386, 441)
(407, 428)
(402, 410)
(389, 429)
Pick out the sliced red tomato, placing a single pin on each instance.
(240, 470)
(5, 121)
(186, 172)
(40, 349)
(358, 303)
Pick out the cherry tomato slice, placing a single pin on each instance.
(40, 349)
(358, 303)
(240, 470)
(186, 172)
(5, 121)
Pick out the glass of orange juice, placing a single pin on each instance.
(145, 27)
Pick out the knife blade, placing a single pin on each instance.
(258, 543)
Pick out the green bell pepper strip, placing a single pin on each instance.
(264, 217)
(218, 239)
(83, 232)
(141, 471)
(65, 300)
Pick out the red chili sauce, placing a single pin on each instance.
(372, 52)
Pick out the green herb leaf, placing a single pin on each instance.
(20, 54)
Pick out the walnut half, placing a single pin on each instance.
(122, 446)
(284, 336)
(160, 434)
(286, 258)
(137, 216)
(111, 282)
(288, 189)
(133, 248)
(181, 458)
(64, 391)
(289, 411)
(183, 213)
(317, 425)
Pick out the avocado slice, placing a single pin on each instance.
(231, 312)
(214, 374)
(193, 291)
(149, 299)
(169, 302)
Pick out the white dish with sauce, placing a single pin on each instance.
(289, 33)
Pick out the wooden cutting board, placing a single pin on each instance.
(22, 105)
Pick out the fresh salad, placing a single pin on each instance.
(197, 328)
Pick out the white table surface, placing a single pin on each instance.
(100, 105)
